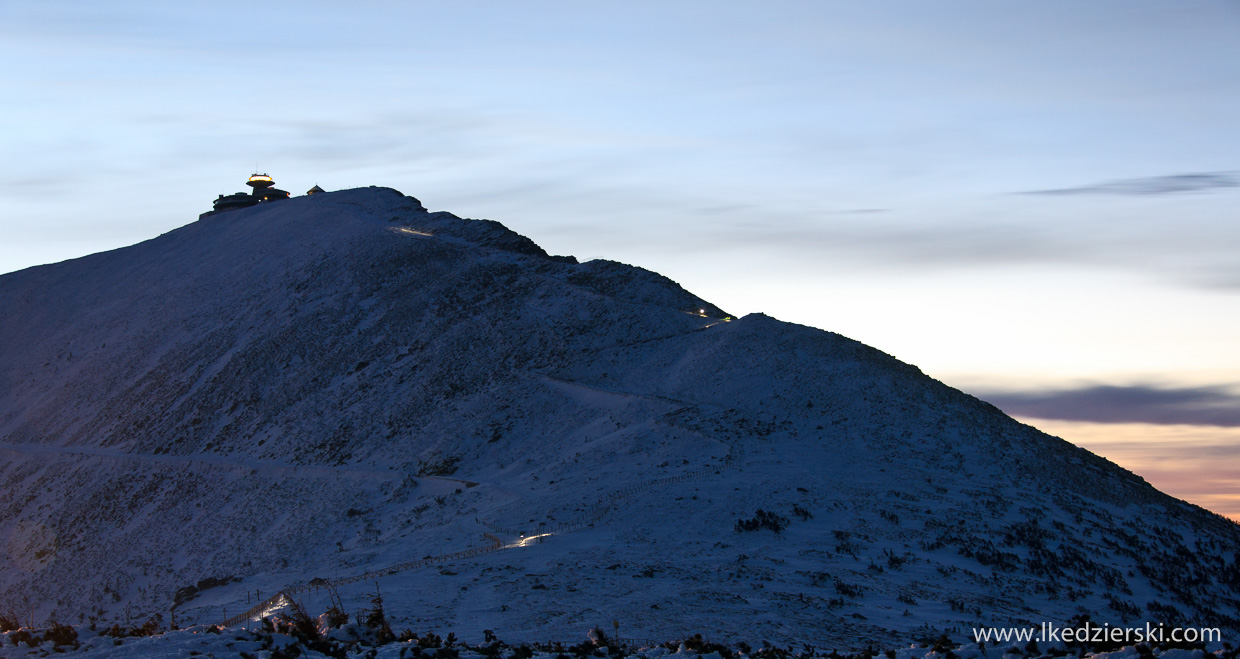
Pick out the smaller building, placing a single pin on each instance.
(315, 190)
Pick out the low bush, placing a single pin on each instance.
(762, 520)
(8, 622)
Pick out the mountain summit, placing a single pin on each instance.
(343, 392)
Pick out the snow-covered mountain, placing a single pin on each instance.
(311, 390)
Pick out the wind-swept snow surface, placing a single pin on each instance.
(346, 385)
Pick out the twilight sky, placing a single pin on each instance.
(1034, 202)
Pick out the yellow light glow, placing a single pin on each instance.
(415, 232)
(525, 542)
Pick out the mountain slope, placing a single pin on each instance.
(339, 383)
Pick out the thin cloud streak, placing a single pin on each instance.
(1199, 406)
(1151, 185)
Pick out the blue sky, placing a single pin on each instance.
(1034, 202)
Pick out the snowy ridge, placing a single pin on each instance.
(318, 390)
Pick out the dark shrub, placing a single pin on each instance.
(762, 520)
(60, 634)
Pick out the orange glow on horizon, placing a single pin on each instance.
(1198, 464)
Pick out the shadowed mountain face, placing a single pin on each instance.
(336, 384)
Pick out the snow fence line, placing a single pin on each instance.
(585, 520)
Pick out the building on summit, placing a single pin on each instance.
(262, 190)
